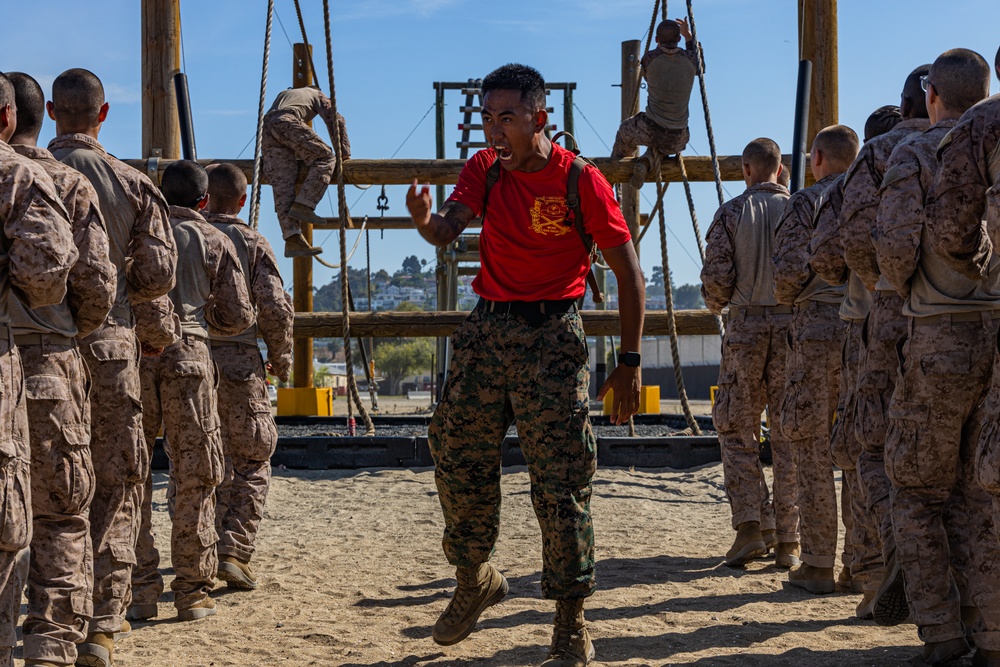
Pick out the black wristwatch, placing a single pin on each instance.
(630, 359)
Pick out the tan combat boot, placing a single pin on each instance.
(141, 612)
(96, 651)
(890, 601)
(479, 587)
(817, 580)
(236, 573)
(304, 213)
(41, 663)
(297, 246)
(770, 538)
(864, 610)
(200, 609)
(639, 171)
(571, 645)
(749, 544)
(787, 554)
(940, 653)
(125, 631)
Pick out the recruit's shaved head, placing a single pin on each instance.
(961, 77)
(6, 92)
(839, 145)
(668, 33)
(227, 184)
(881, 121)
(30, 105)
(184, 183)
(996, 62)
(77, 98)
(913, 103)
(762, 156)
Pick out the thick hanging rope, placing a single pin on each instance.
(704, 103)
(255, 190)
(668, 289)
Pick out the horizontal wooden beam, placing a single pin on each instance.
(392, 324)
(445, 172)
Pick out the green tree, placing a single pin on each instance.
(688, 297)
(411, 265)
(398, 360)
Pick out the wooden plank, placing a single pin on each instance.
(391, 324)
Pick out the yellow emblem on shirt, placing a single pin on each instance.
(548, 216)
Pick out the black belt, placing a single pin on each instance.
(968, 316)
(758, 311)
(44, 339)
(533, 312)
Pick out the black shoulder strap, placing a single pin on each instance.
(492, 176)
(574, 210)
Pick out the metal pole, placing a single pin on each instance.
(188, 148)
(568, 111)
(799, 146)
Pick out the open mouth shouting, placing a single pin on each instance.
(503, 153)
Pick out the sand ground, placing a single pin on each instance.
(352, 574)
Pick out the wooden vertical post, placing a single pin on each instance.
(818, 44)
(161, 59)
(630, 106)
(302, 277)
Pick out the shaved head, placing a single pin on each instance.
(762, 156)
(996, 63)
(184, 183)
(668, 33)
(227, 184)
(30, 106)
(839, 145)
(6, 92)
(961, 77)
(77, 98)
(881, 121)
(913, 103)
(7, 102)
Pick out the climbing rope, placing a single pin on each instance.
(697, 230)
(668, 289)
(255, 190)
(704, 103)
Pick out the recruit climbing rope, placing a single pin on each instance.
(671, 323)
(255, 189)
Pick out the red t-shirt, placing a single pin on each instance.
(526, 251)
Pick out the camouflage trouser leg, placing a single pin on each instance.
(286, 140)
(112, 355)
(945, 540)
(639, 130)
(249, 437)
(504, 369)
(752, 375)
(877, 381)
(15, 493)
(60, 579)
(192, 440)
(813, 378)
(147, 582)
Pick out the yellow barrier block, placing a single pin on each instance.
(712, 390)
(649, 400)
(305, 402)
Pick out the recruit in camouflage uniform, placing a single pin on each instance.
(289, 137)
(60, 588)
(36, 257)
(862, 556)
(738, 274)
(945, 543)
(141, 247)
(179, 391)
(249, 435)
(816, 338)
(878, 367)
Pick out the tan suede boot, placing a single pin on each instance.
(864, 609)
(304, 213)
(890, 600)
(940, 653)
(770, 539)
(749, 544)
(124, 632)
(817, 580)
(96, 651)
(478, 587)
(201, 609)
(787, 554)
(141, 612)
(236, 573)
(296, 246)
(571, 645)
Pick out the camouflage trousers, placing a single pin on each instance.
(249, 437)
(884, 327)
(752, 376)
(60, 577)
(862, 555)
(15, 493)
(147, 582)
(179, 390)
(505, 370)
(112, 356)
(641, 131)
(945, 542)
(285, 141)
(816, 341)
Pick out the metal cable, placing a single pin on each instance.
(255, 190)
(668, 289)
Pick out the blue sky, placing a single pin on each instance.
(388, 53)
